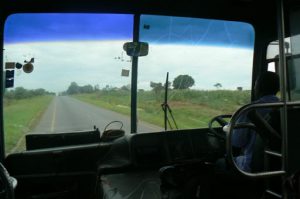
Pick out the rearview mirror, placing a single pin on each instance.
(136, 49)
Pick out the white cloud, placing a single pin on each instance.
(57, 64)
(206, 64)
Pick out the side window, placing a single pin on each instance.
(292, 51)
(294, 60)
(271, 67)
(209, 64)
(272, 56)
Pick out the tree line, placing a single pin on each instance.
(180, 82)
(74, 88)
(22, 93)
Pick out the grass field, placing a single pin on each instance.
(20, 116)
(191, 109)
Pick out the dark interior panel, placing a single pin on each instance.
(56, 160)
(161, 148)
(65, 172)
(152, 151)
(49, 140)
(66, 186)
(133, 185)
(71, 171)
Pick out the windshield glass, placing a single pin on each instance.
(78, 72)
(209, 64)
(69, 72)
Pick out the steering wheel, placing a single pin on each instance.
(220, 119)
(7, 184)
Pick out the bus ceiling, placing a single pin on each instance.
(251, 11)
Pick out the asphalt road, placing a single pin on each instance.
(66, 114)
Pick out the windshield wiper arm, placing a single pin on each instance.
(166, 108)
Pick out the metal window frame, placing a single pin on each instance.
(134, 76)
(2, 138)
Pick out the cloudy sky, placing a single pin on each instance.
(87, 49)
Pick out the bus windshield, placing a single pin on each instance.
(69, 72)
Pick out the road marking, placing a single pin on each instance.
(53, 117)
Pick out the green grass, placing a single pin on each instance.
(118, 101)
(20, 116)
(191, 108)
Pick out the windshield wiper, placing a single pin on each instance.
(166, 108)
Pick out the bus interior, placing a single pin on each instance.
(129, 99)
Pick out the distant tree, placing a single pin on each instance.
(183, 82)
(126, 87)
(96, 87)
(20, 93)
(107, 87)
(86, 89)
(218, 85)
(73, 89)
(239, 88)
(39, 91)
(9, 94)
(156, 87)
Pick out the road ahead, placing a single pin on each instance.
(66, 114)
